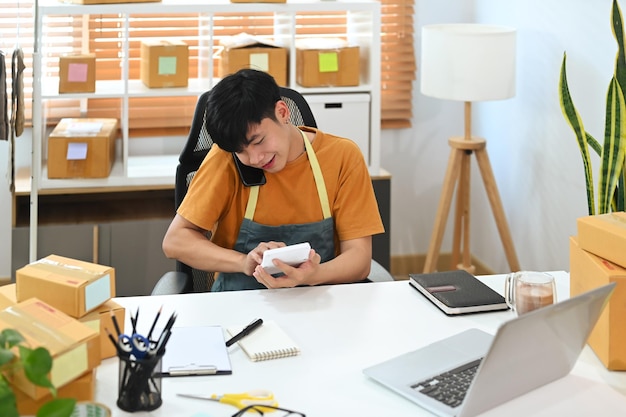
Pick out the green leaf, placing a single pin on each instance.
(59, 407)
(618, 33)
(576, 123)
(8, 406)
(612, 152)
(595, 145)
(37, 365)
(6, 356)
(10, 338)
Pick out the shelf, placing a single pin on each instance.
(153, 167)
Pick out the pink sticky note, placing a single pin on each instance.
(77, 72)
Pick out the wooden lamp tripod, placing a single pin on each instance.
(467, 62)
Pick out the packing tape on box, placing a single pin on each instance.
(28, 324)
(91, 410)
(72, 270)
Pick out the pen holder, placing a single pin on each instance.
(138, 387)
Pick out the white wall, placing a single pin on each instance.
(533, 151)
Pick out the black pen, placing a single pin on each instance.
(246, 331)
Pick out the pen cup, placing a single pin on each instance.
(138, 387)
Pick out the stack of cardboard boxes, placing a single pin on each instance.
(598, 257)
(64, 305)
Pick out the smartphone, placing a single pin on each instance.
(292, 255)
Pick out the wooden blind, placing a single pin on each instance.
(102, 35)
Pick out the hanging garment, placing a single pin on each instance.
(17, 92)
(4, 115)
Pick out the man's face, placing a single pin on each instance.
(271, 144)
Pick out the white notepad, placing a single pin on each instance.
(267, 342)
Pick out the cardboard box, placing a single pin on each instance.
(82, 148)
(77, 73)
(246, 51)
(588, 271)
(325, 63)
(7, 296)
(604, 235)
(81, 389)
(72, 286)
(73, 346)
(100, 320)
(164, 63)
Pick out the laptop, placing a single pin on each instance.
(525, 353)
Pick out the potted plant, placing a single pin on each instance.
(611, 196)
(36, 364)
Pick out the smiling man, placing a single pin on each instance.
(316, 188)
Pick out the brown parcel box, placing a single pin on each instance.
(100, 320)
(81, 389)
(164, 63)
(74, 347)
(327, 67)
(270, 59)
(77, 73)
(7, 296)
(588, 271)
(74, 287)
(604, 235)
(82, 148)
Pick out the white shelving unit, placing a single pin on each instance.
(136, 168)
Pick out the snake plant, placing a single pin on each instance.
(611, 183)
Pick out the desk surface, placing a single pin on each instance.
(342, 329)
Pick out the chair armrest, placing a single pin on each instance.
(378, 273)
(173, 282)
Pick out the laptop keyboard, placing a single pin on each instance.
(451, 386)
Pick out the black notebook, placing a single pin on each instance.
(457, 292)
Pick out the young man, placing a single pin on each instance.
(317, 189)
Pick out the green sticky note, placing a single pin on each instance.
(328, 62)
(167, 65)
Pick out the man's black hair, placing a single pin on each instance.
(238, 101)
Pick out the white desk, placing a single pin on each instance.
(342, 329)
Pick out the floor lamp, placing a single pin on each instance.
(467, 62)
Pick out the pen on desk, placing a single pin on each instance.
(156, 318)
(115, 323)
(246, 331)
(133, 321)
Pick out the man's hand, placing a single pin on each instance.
(255, 256)
(294, 276)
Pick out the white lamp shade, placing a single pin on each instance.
(468, 62)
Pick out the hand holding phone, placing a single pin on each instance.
(292, 255)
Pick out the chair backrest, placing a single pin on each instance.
(198, 145)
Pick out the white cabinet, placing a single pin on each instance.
(150, 163)
(344, 115)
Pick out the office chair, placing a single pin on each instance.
(186, 279)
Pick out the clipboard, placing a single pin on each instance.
(197, 350)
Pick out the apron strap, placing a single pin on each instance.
(319, 183)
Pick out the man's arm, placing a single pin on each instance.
(187, 243)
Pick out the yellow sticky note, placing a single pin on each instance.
(260, 62)
(328, 62)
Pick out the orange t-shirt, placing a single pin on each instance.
(216, 199)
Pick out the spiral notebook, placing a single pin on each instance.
(267, 342)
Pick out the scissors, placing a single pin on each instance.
(241, 400)
(135, 345)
